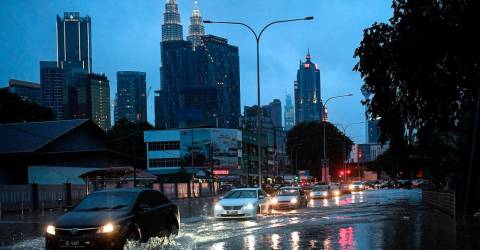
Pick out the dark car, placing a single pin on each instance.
(107, 219)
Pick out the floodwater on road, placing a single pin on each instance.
(378, 219)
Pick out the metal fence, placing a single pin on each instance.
(34, 196)
(443, 200)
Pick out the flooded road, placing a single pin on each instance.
(379, 219)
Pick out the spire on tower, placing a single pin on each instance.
(308, 57)
(196, 29)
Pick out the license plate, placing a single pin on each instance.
(232, 212)
(70, 243)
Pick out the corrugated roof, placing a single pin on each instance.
(31, 136)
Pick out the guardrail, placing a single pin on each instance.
(443, 200)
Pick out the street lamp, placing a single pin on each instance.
(344, 128)
(257, 39)
(324, 172)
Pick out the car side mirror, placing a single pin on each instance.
(261, 197)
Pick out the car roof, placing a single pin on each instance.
(290, 187)
(251, 189)
(123, 190)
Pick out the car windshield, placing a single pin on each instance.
(320, 188)
(357, 183)
(287, 192)
(235, 194)
(106, 201)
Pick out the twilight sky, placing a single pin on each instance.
(126, 36)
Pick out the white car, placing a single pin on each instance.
(289, 198)
(335, 189)
(357, 186)
(242, 203)
(319, 191)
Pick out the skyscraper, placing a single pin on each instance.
(53, 88)
(275, 112)
(131, 99)
(93, 99)
(289, 114)
(308, 104)
(172, 29)
(74, 42)
(196, 29)
(28, 91)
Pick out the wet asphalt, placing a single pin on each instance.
(374, 219)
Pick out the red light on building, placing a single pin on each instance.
(221, 172)
(306, 65)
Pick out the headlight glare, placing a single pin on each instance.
(325, 193)
(248, 206)
(274, 201)
(218, 207)
(107, 228)
(294, 200)
(51, 229)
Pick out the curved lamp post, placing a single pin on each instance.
(257, 39)
(325, 178)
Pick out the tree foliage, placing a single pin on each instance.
(421, 67)
(305, 147)
(127, 138)
(14, 109)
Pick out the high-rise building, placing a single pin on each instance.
(93, 99)
(200, 79)
(289, 113)
(74, 41)
(28, 91)
(211, 97)
(308, 103)
(274, 111)
(196, 29)
(53, 88)
(131, 98)
(373, 131)
(172, 29)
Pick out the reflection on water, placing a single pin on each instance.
(275, 241)
(325, 202)
(218, 246)
(327, 243)
(337, 201)
(249, 242)
(295, 239)
(345, 238)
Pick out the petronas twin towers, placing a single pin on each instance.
(172, 29)
(199, 77)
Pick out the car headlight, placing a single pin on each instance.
(274, 201)
(325, 193)
(351, 186)
(248, 206)
(293, 201)
(51, 229)
(107, 228)
(336, 192)
(218, 207)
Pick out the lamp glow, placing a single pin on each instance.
(51, 229)
(107, 228)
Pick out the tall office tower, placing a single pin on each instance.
(289, 113)
(373, 131)
(53, 88)
(196, 29)
(131, 99)
(171, 27)
(212, 94)
(28, 91)
(74, 40)
(176, 72)
(274, 112)
(308, 103)
(93, 99)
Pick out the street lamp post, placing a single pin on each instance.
(324, 170)
(257, 39)
(344, 128)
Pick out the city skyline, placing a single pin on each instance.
(339, 27)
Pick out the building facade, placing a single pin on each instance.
(373, 131)
(215, 150)
(131, 98)
(93, 99)
(308, 103)
(289, 113)
(74, 42)
(172, 29)
(53, 88)
(28, 91)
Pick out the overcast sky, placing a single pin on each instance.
(126, 36)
